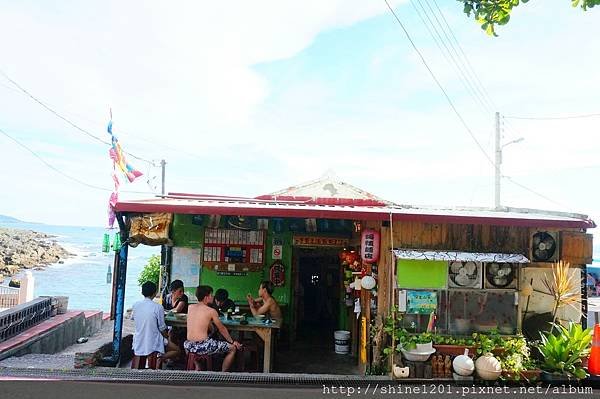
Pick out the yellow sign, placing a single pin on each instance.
(363, 340)
(320, 241)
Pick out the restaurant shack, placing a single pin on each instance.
(341, 258)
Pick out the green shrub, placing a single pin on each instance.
(150, 272)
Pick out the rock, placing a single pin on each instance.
(27, 249)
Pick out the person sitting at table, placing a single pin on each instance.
(265, 303)
(200, 316)
(176, 300)
(223, 302)
(150, 329)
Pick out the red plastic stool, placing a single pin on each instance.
(204, 362)
(153, 361)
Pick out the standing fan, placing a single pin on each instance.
(500, 275)
(464, 275)
(544, 247)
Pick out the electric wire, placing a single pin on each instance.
(126, 134)
(84, 131)
(458, 114)
(482, 90)
(447, 53)
(543, 118)
(461, 69)
(60, 172)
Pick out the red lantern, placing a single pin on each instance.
(369, 247)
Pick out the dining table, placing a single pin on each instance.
(261, 327)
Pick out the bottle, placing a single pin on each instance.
(229, 314)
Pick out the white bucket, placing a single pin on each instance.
(342, 341)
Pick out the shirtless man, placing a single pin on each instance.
(265, 303)
(199, 318)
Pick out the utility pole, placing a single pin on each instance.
(497, 163)
(162, 166)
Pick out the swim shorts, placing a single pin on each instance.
(208, 346)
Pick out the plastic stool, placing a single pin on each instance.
(153, 361)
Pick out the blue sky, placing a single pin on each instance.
(246, 99)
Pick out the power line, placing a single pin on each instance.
(65, 119)
(440, 86)
(461, 69)
(552, 117)
(481, 88)
(32, 152)
(456, 110)
(437, 38)
(122, 133)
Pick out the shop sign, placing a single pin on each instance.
(421, 302)
(228, 273)
(320, 241)
(369, 245)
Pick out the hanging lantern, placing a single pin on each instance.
(117, 243)
(105, 243)
(369, 247)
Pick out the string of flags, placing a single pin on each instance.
(118, 157)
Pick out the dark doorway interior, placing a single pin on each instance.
(317, 287)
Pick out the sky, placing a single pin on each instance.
(246, 98)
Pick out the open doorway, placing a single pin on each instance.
(317, 286)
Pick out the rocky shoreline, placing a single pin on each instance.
(27, 249)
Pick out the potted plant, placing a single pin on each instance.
(453, 346)
(563, 352)
(516, 362)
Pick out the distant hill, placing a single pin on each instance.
(8, 219)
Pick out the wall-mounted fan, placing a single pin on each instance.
(464, 275)
(544, 247)
(501, 275)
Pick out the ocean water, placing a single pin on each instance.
(83, 277)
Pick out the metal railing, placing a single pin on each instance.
(9, 297)
(18, 319)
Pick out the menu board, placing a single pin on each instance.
(233, 248)
(421, 302)
(185, 266)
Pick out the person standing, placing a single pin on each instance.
(265, 303)
(200, 317)
(150, 329)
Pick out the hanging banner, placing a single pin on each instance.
(369, 245)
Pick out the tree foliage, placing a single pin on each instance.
(150, 272)
(490, 13)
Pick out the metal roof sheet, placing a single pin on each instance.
(272, 208)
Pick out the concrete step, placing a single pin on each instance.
(50, 336)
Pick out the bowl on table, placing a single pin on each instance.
(259, 316)
(238, 317)
(180, 315)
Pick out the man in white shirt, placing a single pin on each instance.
(150, 328)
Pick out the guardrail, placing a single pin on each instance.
(18, 319)
(9, 296)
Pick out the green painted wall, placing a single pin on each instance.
(188, 231)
